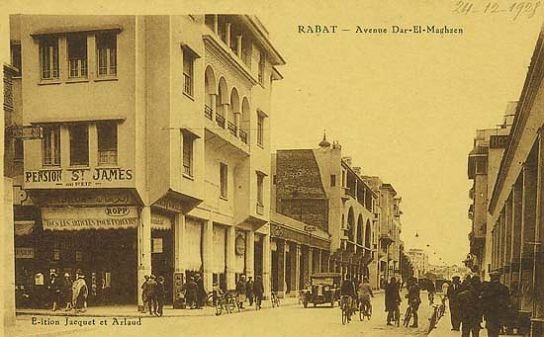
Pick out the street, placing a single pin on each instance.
(288, 320)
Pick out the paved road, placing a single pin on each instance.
(283, 321)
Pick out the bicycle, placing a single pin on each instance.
(396, 316)
(434, 318)
(407, 316)
(231, 301)
(345, 307)
(365, 309)
(274, 299)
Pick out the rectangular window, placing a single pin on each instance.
(51, 146)
(188, 77)
(333, 180)
(188, 155)
(79, 144)
(106, 46)
(77, 55)
(223, 179)
(260, 189)
(262, 60)
(18, 150)
(49, 58)
(107, 142)
(16, 58)
(260, 130)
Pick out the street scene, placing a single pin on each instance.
(270, 174)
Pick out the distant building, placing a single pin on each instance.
(420, 262)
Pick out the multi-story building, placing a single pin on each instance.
(516, 203)
(155, 149)
(420, 261)
(319, 188)
(483, 166)
(389, 229)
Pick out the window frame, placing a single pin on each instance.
(260, 129)
(189, 142)
(260, 188)
(49, 58)
(100, 162)
(71, 137)
(81, 69)
(53, 148)
(188, 59)
(106, 42)
(16, 57)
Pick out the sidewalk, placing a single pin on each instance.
(130, 311)
(443, 328)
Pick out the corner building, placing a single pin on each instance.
(155, 149)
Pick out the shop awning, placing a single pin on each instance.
(24, 227)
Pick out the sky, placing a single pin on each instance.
(405, 108)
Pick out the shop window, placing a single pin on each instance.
(188, 145)
(49, 58)
(51, 146)
(107, 143)
(188, 71)
(223, 180)
(77, 55)
(260, 130)
(79, 144)
(106, 45)
(16, 58)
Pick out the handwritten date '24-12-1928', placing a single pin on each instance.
(516, 9)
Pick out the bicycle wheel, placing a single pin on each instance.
(369, 312)
(397, 317)
(361, 311)
(344, 314)
(209, 299)
(407, 317)
(432, 321)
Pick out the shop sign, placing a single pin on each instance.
(80, 218)
(97, 177)
(24, 253)
(156, 245)
(86, 198)
(169, 204)
(499, 141)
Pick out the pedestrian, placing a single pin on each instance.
(218, 302)
(469, 300)
(414, 299)
(496, 304)
(191, 289)
(201, 294)
(241, 290)
(453, 290)
(55, 291)
(249, 290)
(67, 292)
(151, 293)
(258, 291)
(160, 293)
(80, 291)
(364, 292)
(144, 293)
(392, 300)
(431, 290)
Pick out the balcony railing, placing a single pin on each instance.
(260, 208)
(220, 121)
(232, 128)
(243, 136)
(208, 112)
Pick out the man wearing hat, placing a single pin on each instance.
(54, 288)
(496, 303)
(453, 291)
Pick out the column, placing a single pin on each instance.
(250, 254)
(239, 46)
(281, 268)
(227, 27)
(507, 240)
(207, 254)
(144, 250)
(528, 235)
(267, 259)
(297, 254)
(320, 263)
(537, 326)
(230, 257)
(516, 234)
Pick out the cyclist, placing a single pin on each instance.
(392, 300)
(365, 292)
(413, 298)
(348, 289)
(431, 290)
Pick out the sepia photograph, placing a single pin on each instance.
(289, 168)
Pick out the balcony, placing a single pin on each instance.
(243, 136)
(232, 128)
(208, 112)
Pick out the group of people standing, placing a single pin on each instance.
(393, 299)
(251, 290)
(195, 294)
(472, 300)
(67, 293)
(153, 294)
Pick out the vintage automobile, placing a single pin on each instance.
(323, 289)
